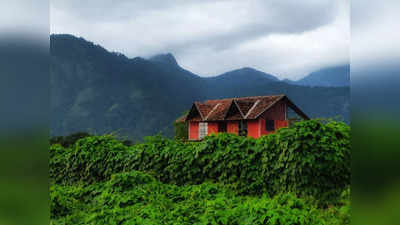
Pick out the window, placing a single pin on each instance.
(243, 128)
(222, 127)
(203, 130)
(269, 125)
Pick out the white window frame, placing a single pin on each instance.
(203, 130)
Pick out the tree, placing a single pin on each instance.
(181, 129)
(67, 141)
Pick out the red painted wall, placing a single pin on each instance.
(232, 127)
(253, 128)
(193, 130)
(256, 128)
(263, 131)
(212, 128)
(277, 112)
(278, 124)
(281, 123)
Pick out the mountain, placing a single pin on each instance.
(338, 76)
(245, 74)
(167, 59)
(99, 91)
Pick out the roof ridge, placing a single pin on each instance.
(270, 105)
(260, 96)
(239, 98)
(252, 108)
(226, 113)
(240, 110)
(212, 110)
(197, 107)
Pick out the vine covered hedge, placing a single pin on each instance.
(310, 158)
(138, 198)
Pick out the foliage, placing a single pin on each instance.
(138, 198)
(313, 157)
(310, 158)
(91, 159)
(299, 175)
(181, 129)
(69, 140)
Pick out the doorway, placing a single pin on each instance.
(243, 128)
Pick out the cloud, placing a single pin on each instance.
(375, 37)
(21, 16)
(210, 37)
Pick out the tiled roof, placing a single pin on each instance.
(263, 105)
(220, 110)
(246, 108)
(245, 105)
(204, 108)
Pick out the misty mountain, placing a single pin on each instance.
(245, 74)
(338, 76)
(167, 59)
(99, 91)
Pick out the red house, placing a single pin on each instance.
(248, 116)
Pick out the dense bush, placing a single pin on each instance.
(181, 128)
(91, 159)
(69, 140)
(310, 158)
(138, 198)
(299, 175)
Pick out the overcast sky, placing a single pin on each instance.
(375, 37)
(286, 38)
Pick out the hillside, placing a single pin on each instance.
(99, 91)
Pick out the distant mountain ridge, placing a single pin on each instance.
(338, 76)
(99, 91)
(245, 73)
(167, 58)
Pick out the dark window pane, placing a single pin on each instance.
(222, 127)
(243, 128)
(270, 125)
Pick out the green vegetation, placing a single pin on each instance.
(181, 129)
(67, 141)
(300, 175)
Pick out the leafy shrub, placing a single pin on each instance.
(310, 158)
(57, 162)
(181, 129)
(137, 198)
(225, 179)
(67, 141)
(91, 159)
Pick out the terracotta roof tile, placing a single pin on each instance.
(204, 108)
(264, 103)
(251, 107)
(245, 105)
(220, 110)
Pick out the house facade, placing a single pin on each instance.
(247, 116)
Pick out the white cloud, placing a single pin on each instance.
(24, 17)
(210, 37)
(375, 35)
